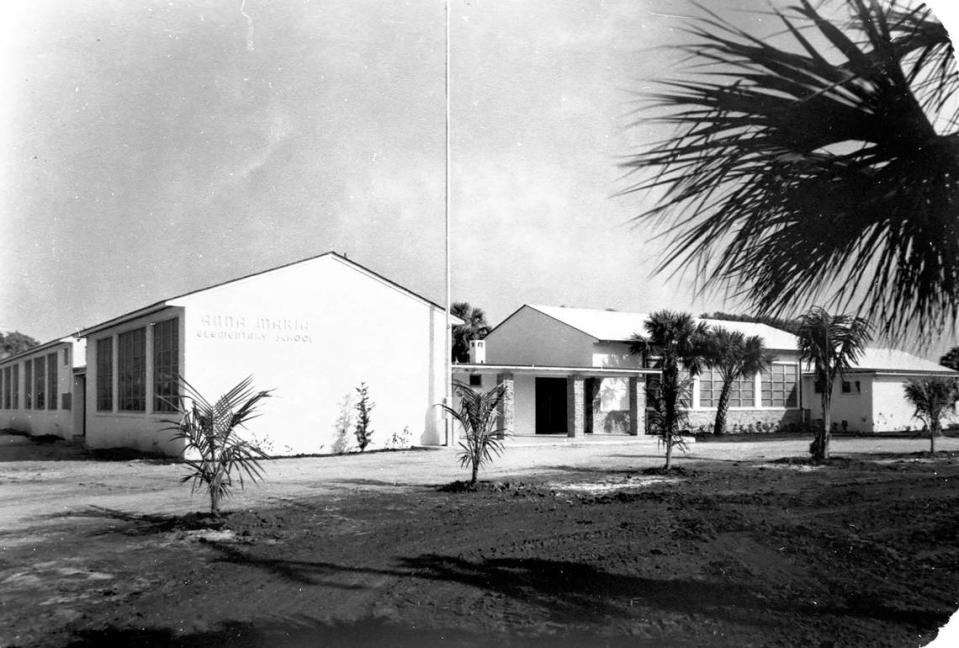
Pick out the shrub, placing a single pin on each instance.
(364, 406)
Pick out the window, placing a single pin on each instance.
(476, 380)
(28, 384)
(39, 383)
(741, 391)
(780, 386)
(846, 387)
(131, 371)
(66, 357)
(105, 375)
(52, 382)
(15, 387)
(166, 369)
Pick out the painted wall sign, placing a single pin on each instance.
(284, 330)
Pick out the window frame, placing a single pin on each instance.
(28, 384)
(104, 386)
(40, 383)
(53, 381)
(166, 365)
(780, 382)
(131, 371)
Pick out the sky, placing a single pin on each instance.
(150, 148)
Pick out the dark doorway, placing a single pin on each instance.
(551, 406)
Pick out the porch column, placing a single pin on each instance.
(637, 405)
(505, 408)
(575, 406)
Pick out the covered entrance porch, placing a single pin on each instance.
(572, 402)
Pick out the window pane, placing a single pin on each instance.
(39, 383)
(105, 374)
(131, 371)
(166, 358)
(52, 381)
(28, 385)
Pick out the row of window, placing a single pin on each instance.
(778, 387)
(40, 380)
(131, 383)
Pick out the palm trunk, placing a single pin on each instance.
(932, 438)
(722, 407)
(475, 474)
(820, 447)
(669, 448)
(215, 502)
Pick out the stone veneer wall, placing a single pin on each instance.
(746, 420)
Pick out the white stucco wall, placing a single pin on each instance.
(614, 354)
(59, 421)
(891, 411)
(856, 407)
(530, 337)
(311, 332)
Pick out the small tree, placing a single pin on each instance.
(672, 340)
(831, 343)
(213, 449)
(364, 406)
(665, 420)
(477, 413)
(733, 356)
(931, 397)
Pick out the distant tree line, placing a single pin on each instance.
(15, 342)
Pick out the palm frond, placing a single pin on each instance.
(815, 171)
(213, 450)
(477, 413)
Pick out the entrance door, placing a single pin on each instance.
(551, 406)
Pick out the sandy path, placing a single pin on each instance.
(38, 492)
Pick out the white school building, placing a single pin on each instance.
(311, 331)
(314, 330)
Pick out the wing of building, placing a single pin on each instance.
(570, 372)
(311, 331)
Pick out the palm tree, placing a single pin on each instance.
(932, 397)
(733, 356)
(213, 449)
(821, 163)
(831, 343)
(478, 414)
(475, 328)
(671, 341)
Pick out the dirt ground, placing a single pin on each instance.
(569, 546)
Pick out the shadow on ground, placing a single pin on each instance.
(581, 593)
(296, 633)
(20, 446)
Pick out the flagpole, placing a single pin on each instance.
(448, 378)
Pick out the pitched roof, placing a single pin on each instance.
(331, 254)
(616, 326)
(881, 360)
